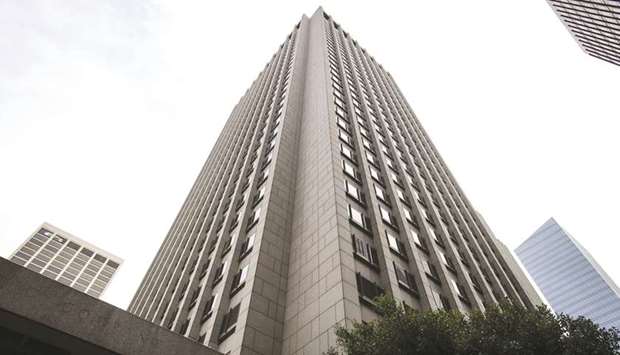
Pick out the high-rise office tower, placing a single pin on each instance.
(568, 276)
(68, 259)
(322, 192)
(594, 24)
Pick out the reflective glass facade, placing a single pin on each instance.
(568, 276)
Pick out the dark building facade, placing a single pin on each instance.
(569, 277)
(594, 24)
(322, 192)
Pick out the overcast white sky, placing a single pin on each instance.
(108, 110)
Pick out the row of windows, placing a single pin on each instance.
(239, 279)
(55, 254)
(206, 223)
(363, 250)
(425, 181)
(230, 319)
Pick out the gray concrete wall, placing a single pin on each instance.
(46, 302)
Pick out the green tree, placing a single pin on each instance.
(587, 338)
(508, 329)
(503, 329)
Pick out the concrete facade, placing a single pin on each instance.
(325, 168)
(569, 277)
(41, 316)
(594, 24)
(517, 271)
(67, 259)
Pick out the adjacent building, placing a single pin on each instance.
(594, 24)
(42, 316)
(322, 192)
(568, 276)
(68, 259)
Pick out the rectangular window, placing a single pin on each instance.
(405, 279)
(444, 302)
(338, 94)
(45, 232)
(86, 252)
(387, 216)
(409, 179)
(192, 266)
(401, 196)
(208, 311)
(344, 137)
(367, 289)
(353, 191)
(268, 159)
(374, 173)
(219, 273)
(379, 193)
(358, 218)
(425, 213)
(229, 322)
(395, 178)
(409, 217)
(459, 252)
(264, 177)
(460, 291)
(259, 194)
(194, 297)
(349, 170)
(338, 102)
(184, 326)
(435, 236)
(365, 251)
(254, 218)
(475, 283)
(228, 243)
(363, 131)
(341, 113)
(367, 144)
(431, 271)
(371, 158)
(395, 244)
(203, 269)
(417, 239)
(447, 261)
(239, 280)
(347, 152)
(247, 245)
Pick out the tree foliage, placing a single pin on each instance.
(501, 330)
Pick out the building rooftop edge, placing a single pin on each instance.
(85, 243)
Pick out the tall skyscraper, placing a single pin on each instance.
(68, 259)
(322, 192)
(594, 24)
(568, 276)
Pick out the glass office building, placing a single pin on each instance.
(568, 276)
